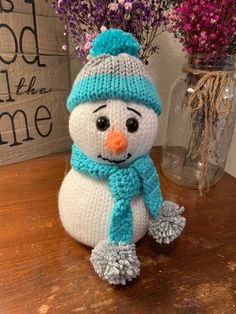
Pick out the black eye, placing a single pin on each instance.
(132, 125)
(102, 123)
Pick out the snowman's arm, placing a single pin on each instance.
(166, 222)
(169, 223)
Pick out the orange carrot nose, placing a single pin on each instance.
(116, 142)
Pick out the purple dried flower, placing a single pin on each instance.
(145, 19)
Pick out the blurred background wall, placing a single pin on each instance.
(165, 68)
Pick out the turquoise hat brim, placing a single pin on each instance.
(109, 86)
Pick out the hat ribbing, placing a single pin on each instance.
(115, 72)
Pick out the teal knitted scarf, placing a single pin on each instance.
(124, 183)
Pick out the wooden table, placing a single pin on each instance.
(43, 270)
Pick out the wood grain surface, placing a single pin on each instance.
(54, 76)
(34, 106)
(22, 6)
(34, 75)
(43, 270)
(49, 31)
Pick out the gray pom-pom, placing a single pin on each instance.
(117, 263)
(169, 224)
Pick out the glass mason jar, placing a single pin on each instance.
(201, 121)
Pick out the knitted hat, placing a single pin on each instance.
(115, 72)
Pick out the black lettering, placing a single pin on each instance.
(20, 85)
(4, 9)
(15, 43)
(10, 99)
(31, 90)
(12, 119)
(35, 34)
(37, 119)
(44, 90)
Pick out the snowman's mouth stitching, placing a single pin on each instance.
(115, 161)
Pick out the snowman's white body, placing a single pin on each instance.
(85, 202)
(85, 209)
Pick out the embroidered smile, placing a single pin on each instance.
(115, 161)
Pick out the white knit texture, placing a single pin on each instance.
(85, 205)
(85, 202)
(84, 133)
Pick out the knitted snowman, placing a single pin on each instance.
(111, 196)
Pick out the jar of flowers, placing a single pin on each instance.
(202, 103)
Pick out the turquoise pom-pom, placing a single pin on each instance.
(114, 42)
